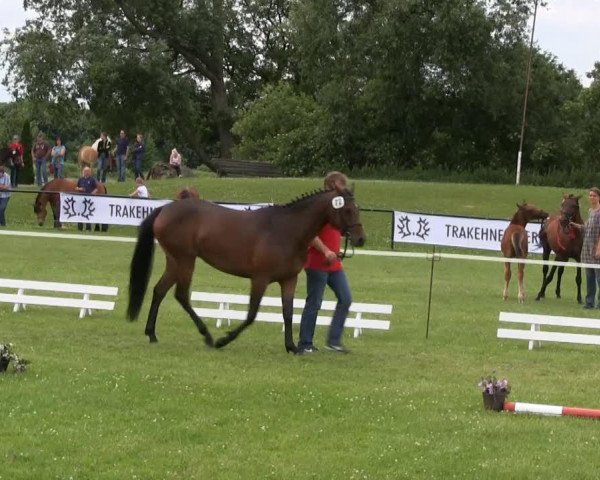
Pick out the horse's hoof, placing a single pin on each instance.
(208, 340)
(291, 348)
(153, 339)
(221, 342)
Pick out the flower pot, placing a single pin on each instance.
(494, 401)
(4, 364)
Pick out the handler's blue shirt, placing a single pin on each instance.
(88, 184)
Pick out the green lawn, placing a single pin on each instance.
(99, 401)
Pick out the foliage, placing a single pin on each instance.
(491, 385)
(285, 128)
(433, 85)
(8, 356)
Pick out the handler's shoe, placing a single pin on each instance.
(311, 349)
(336, 348)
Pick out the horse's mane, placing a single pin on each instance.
(307, 197)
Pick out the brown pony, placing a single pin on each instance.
(265, 245)
(515, 243)
(559, 236)
(50, 193)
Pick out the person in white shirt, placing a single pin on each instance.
(141, 191)
(175, 161)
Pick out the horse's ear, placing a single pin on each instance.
(519, 206)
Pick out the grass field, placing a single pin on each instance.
(98, 401)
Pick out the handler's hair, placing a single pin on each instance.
(335, 178)
(596, 190)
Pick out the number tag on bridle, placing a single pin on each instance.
(337, 202)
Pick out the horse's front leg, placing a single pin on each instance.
(578, 280)
(561, 269)
(257, 291)
(56, 214)
(288, 288)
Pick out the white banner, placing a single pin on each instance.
(456, 231)
(78, 208)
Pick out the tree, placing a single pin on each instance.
(174, 66)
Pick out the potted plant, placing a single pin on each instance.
(7, 354)
(494, 392)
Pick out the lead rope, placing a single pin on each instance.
(343, 254)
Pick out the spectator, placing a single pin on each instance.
(323, 267)
(139, 150)
(141, 191)
(121, 154)
(590, 252)
(104, 146)
(4, 194)
(86, 184)
(17, 146)
(58, 158)
(175, 161)
(40, 152)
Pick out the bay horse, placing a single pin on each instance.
(559, 236)
(265, 245)
(187, 192)
(515, 243)
(50, 193)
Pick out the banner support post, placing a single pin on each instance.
(434, 258)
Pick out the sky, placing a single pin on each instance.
(568, 29)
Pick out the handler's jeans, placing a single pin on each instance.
(592, 276)
(121, 166)
(3, 205)
(41, 172)
(102, 166)
(316, 280)
(58, 170)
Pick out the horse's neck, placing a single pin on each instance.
(304, 222)
(519, 219)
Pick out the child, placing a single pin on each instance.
(141, 191)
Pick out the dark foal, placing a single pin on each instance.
(265, 245)
(515, 243)
(559, 236)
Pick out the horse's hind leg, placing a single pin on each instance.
(288, 288)
(561, 269)
(521, 274)
(160, 290)
(507, 275)
(182, 294)
(545, 281)
(256, 293)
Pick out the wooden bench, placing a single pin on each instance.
(226, 167)
(84, 304)
(535, 335)
(234, 307)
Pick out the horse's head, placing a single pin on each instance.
(345, 216)
(530, 212)
(39, 208)
(569, 209)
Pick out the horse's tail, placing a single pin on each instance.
(516, 239)
(141, 265)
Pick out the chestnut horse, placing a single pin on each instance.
(87, 156)
(515, 243)
(559, 236)
(265, 245)
(50, 193)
